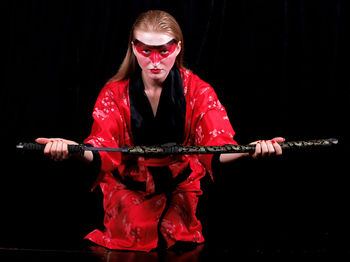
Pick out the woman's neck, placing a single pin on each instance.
(152, 84)
(153, 90)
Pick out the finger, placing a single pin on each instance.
(257, 152)
(279, 139)
(65, 152)
(264, 149)
(270, 148)
(59, 150)
(277, 147)
(54, 149)
(42, 140)
(69, 142)
(47, 149)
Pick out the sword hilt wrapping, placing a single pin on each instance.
(41, 147)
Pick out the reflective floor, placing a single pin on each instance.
(202, 252)
(99, 254)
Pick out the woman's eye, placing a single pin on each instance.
(146, 51)
(164, 52)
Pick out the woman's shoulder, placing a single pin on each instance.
(117, 84)
(193, 84)
(116, 88)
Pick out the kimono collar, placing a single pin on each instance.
(169, 123)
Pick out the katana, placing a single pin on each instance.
(175, 149)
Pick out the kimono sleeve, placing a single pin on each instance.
(106, 129)
(212, 125)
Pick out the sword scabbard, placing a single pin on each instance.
(170, 149)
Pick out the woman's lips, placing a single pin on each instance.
(156, 71)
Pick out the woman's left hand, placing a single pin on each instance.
(265, 148)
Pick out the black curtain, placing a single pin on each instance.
(279, 67)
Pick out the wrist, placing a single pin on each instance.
(227, 158)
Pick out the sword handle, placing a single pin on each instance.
(41, 147)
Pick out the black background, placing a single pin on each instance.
(279, 67)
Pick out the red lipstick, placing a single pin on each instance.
(155, 71)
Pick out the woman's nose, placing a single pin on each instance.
(155, 58)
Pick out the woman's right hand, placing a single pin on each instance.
(56, 148)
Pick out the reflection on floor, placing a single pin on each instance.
(181, 253)
(96, 253)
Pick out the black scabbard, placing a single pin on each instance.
(174, 149)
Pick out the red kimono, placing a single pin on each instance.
(134, 219)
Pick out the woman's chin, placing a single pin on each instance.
(157, 76)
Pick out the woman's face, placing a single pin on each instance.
(156, 53)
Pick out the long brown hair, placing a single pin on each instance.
(151, 21)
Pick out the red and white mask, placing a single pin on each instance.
(156, 53)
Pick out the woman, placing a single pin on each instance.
(152, 100)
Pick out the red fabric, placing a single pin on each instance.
(132, 217)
